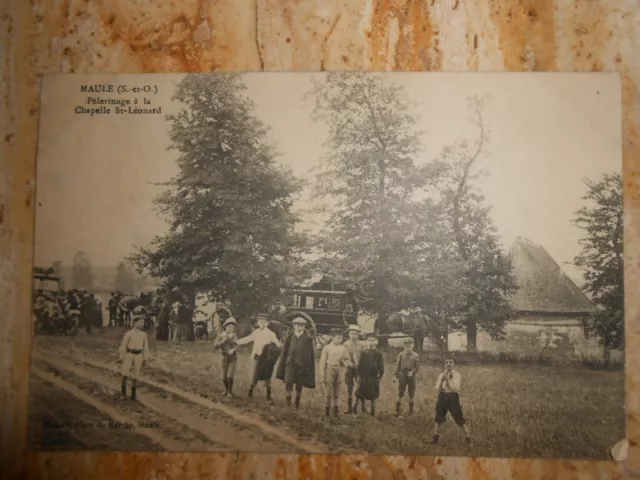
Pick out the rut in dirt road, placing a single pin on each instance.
(166, 443)
(236, 430)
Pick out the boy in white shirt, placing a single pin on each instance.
(333, 359)
(261, 337)
(448, 387)
(354, 349)
(133, 351)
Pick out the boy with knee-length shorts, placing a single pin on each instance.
(333, 359)
(227, 342)
(133, 352)
(354, 349)
(448, 387)
(407, 367)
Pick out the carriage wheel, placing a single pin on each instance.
(223, 309)
(322, 341)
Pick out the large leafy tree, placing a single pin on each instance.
(369, 182)
(231, 229)
(487, 280)
(81, 271)
(601, 258)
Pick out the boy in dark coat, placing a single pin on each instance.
(370, 371)
(297, 363)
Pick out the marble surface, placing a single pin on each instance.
(45, 36)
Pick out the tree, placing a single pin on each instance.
(601, 258)
(124, 281)
(231, 229)
(370, 177)
(487, 278)
(81, 271)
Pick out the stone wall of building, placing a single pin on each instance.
(556, 338)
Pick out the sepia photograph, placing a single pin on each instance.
(357, 263)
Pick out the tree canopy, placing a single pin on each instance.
(369, 178)
(231, 228)
(405, 235)
(602, 258)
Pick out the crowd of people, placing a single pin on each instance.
(77, 305)
(356, 363)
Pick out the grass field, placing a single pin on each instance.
(523, 410)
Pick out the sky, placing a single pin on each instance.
(97, 176)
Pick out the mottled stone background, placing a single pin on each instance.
(45, 36)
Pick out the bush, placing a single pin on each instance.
(594, 363)
(507, 358)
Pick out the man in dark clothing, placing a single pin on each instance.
(191, 334)
(183, 321)
(96, 310)
(163, 321)
(297, 363)
(113, 309)
(86, 310)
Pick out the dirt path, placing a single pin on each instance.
(218, 424)
(62, 416)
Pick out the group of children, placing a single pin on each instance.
(359, 364)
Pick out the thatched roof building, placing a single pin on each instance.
(544, 289)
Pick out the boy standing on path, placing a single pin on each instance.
(448, 387)
(261, 338)
(297, 364)
(354, 349)
(332, 360)
(134, 351)
(227, 342)
(407, 367)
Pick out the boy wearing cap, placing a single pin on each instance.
(354, 349)
(297, 366)
(333, 358)
(133, 351)
(407, 367)
(261, 338)
(227, 342)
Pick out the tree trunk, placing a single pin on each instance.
(445, 336)
(191, 301)
(381, 329)
(606, 354)
(472, 335)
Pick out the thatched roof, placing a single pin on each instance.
(544, 287)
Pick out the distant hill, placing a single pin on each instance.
(104, 277)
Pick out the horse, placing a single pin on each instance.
(126, 305)
(414, 325)
(149, 302)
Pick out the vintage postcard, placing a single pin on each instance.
(390, 263)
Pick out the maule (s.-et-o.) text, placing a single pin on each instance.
(110, 88)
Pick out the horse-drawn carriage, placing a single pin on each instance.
(50, 311)
(323, 303)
